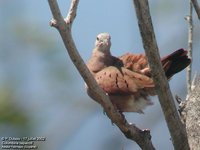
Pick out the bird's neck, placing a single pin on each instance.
(97, 51)
(99, 60)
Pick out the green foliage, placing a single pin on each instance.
(9, 110)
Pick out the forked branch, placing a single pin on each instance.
(141, 137)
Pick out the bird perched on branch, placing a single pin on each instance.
(127, 79)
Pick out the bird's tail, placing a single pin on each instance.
(175, 62)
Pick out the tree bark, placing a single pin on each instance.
(175, 126)
(191, 113)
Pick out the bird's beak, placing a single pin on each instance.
(106, 42)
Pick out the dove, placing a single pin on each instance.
(127, 79)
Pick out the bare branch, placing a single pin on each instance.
(58, 19)
(196, 7)
(141, 137)
(194, 81)
(176, 128)
(189, 18)
(72, 11)
(192, 113)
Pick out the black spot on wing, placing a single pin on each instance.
(116, 80)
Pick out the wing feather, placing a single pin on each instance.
(115, 80)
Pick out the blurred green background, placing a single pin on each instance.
(41, 92)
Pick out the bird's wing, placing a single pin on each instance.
(115, 80)
(134, 62)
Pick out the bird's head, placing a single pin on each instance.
(103, 42)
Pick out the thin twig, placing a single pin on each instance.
(194, 81)
(189, 19)
(176, 128)
(196, 7)
(141, 137)
(72, 12)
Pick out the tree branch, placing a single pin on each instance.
(141, 137)
(176, 128)
(196, 7)
(191, 113)
(189, 18)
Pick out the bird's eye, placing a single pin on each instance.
(97, 39)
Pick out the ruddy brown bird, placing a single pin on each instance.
(127, 79)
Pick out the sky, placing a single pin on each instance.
(45, 88)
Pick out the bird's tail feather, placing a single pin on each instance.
(175, 62)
